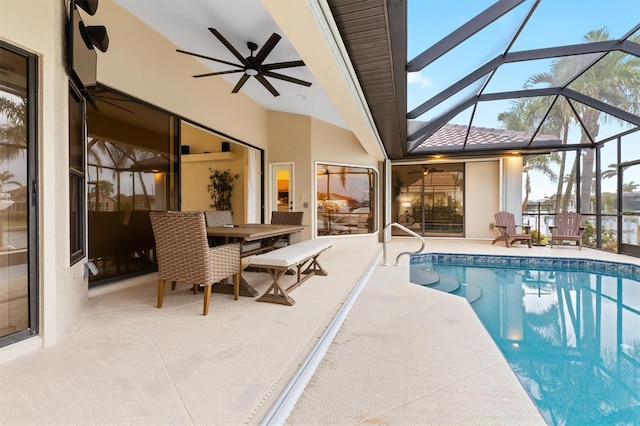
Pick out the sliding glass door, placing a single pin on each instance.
(18, 277)
(429, 198)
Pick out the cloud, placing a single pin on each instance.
(418, 78)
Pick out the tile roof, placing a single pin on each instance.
(452, 136)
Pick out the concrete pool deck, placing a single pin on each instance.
(405, 354)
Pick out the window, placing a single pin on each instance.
(76, 175)
(130, 172)
(345, 199)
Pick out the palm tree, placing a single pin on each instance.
(540, 163)
(610, 172)
(630, 186)
(13, 131)
(5, 179)
(615, 79)
(121, 157)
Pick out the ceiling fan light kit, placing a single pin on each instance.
(252, 65)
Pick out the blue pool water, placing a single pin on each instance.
(570, 329)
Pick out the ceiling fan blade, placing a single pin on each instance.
(228, 45)
(209, 58)
(279, 65)
(266, 49)
(286, 78)
(267, 85)
(240, 83)
(216, 73)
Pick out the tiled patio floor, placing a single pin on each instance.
(404, 355)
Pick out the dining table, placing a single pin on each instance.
(267, 235)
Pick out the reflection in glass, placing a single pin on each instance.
(345, 199)
(130, 166)
(429, 198)
(14, 242)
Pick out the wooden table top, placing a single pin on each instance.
(253, 231)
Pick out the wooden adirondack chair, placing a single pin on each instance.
(506, 224)
(568, 227)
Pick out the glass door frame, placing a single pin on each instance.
(32, 199)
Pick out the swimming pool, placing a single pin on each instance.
(569, 328)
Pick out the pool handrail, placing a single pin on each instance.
(384, 242)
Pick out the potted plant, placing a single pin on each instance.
(220, 188)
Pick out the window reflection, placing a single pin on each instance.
(129, 156)
(429, 198)
(15, 297)
(345, 199)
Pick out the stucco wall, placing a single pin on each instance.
(290, 141)
(482, 198)
(62, 288)
(511, 186)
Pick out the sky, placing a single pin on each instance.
(554, 23)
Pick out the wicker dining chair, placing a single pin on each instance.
(218, 217)
(288, 218)
(184, 254)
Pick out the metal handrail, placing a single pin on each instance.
(384, 242)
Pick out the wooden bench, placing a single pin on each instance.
(278, 262)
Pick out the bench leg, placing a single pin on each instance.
(275, 293)
(314, 268)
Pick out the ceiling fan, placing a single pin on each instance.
(252, 66)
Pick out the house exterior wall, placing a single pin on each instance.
(482, 198)
(62, 288)
(290, 141)
(511, 185)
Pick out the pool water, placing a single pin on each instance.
(571, 337)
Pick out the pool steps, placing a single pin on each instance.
(443, 281)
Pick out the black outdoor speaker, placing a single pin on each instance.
(226, 147)
(98, 36)
(89, 6)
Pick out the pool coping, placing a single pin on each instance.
(619, 269)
